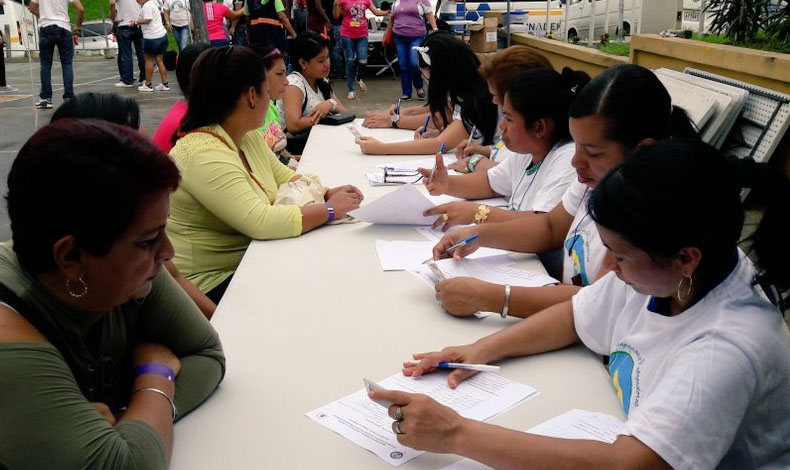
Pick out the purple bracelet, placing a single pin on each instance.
(331, 211)
(154, 368)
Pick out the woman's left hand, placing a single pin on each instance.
(424, 423)
(319, 111)
(348, 188)
(377, 120)
(453, 213)
(370, 145)
(465, 296)
(460, 165)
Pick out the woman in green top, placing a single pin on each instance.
(100, 350)
(274, 61)
(230, 177)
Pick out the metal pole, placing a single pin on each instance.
(548, 25)
(606, 18)
(507, 26)
(567, 7)
(104, 29)
(641, 13)
(702, 18)
(199, 20)
(591, 37)
(620, 29)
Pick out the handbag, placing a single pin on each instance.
(303, 191)
(337, 119)
(389, 36)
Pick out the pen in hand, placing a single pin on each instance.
(456, 246)
(425, 126)
(471, 135)
(433, 171)
(461, 365)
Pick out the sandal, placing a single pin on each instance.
(420, 94)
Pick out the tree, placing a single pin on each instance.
(740, 20)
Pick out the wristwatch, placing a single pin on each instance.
(471, 164)
(394, 118)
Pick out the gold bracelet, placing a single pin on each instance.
(482, 213)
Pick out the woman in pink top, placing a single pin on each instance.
(215, 12)
(165, 133)
(354, 35)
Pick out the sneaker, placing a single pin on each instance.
(145, 87)
(8, 89)
(362, 87)
(124, 85)
(44, 103)
(404, 98)
(162, 87)
(351, 95)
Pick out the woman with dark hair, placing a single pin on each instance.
(700, 359)
(100, 350)
(535, 124)
(452, 70)
(605, 131)
(126, 112)
(231, 177)
(408, 28)
(165, 132)
(354, 36)
(274, 60)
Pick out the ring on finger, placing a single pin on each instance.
(445, 217)
(398, 414)
(396, 427)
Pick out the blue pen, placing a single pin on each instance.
(430, 178)
(441, 148)
(461, 365)
(397, 108)
(425, 126)
(456, 246)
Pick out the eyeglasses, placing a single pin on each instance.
(396, 176)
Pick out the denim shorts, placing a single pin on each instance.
(156, 46)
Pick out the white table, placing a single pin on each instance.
(306, 318)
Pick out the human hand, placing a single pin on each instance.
(345, 201)
(375, 120)
(436, 180)
(170, 29)
(424, 423)
(156, 353)
(453, 213)
(465, 296)
(105, 412)
(470, 354)
(319, 111)
(348, 187)
(451, 239)
(423, 133)
(460, 165)
(370, 145)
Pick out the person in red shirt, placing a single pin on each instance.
(354, 35)
(215, 13)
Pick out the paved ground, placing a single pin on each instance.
(19, 119)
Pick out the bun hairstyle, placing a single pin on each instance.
(618, 93)
(693, 193)
(504, 66)
(542, 93)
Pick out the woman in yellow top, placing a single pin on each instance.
(230, 176)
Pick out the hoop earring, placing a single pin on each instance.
(77, 295)
(682, 298)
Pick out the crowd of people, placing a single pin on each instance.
(105, 300)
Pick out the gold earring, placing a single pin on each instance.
(77, 295)
(682, 298)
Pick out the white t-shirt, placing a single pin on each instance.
(314, 98)
(54, 12)
(126, 11)
(179, 12)
(583, 248)
(154, 29)
(539, 188)
(709, 388)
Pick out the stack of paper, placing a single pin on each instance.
(400, 255)
(405, 172)
(489, 269)
(367, 424)
(575, 424)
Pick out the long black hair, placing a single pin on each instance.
(219, 77)
(634, 104)
(542, 93)
(307, 45)
(680, 193)
(105, 106)
(454, 75)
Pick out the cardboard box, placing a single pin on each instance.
(483, 36)
(495, 14)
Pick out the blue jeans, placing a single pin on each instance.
(48, 38)
(220, 42)
(181, 33)
(337, 56)
(128, 37)
(300, 19)
(356, 51)
(409, 66)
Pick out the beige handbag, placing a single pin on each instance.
(305, 190)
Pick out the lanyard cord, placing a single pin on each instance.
(576, 233)
(530, 170)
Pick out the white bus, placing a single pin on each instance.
(639, 16)
(19, 27)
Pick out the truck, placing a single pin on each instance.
(19, 28)
(639, 16)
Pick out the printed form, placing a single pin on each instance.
(367, 424)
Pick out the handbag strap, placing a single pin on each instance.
(241, 154)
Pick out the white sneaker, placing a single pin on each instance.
(362, 87)
(124, 85)
(8, 88)
(351, 95)
(162, 87)
(144, 87)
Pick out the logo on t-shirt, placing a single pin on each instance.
(624, 369)
(575, 246)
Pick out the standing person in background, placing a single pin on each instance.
(408, 27)
(154, 44)
(238, 32)
(299, 15)
(318, 19)
(4, 88)
(337, 66)
(268, 23)
(215, 13)
(354, 34)
(178, 21)
(54, 30)
(123, 14)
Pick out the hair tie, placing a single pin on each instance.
(423, 53)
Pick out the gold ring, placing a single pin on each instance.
(445, 217)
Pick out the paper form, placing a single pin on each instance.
(574, 424)
(404, 205)
(444, 199)
(412, 165)
(400, 255)
(367, 424)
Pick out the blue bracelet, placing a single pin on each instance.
(331, 211)
(154, 368)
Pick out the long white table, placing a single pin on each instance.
(306, 318)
